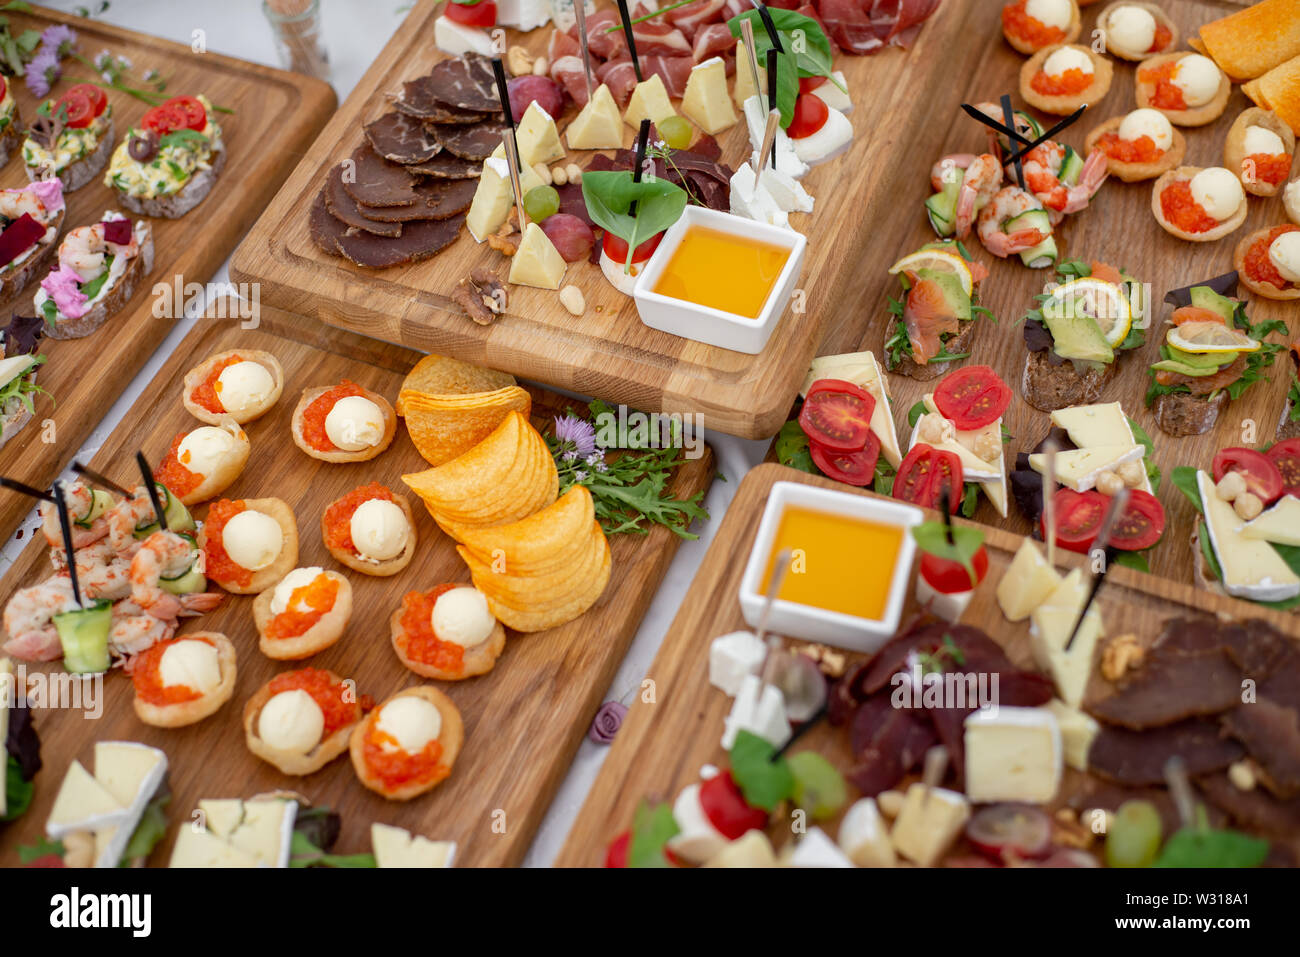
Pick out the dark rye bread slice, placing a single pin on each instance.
(343, 207)
(442, 199)
(377, 182)
(419, 98)
(1287, 428)
(447, 166)
(1049, 386)
(933, 370)
(401, 139)
(1181, 413)
(474, 142)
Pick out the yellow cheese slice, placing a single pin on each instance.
(537, 262)
(649, 101)
(1251, 567)
(1280, 524)
(1079, 469)
(598, 125)
(201, 848)
(494, 195)
(705, 101)
(83, 804)
(1027, 582)
(538, 139)
(1052, 622)
(744, 87)
(394, 847)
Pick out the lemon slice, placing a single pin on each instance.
(1206, 337)
(1104, 301)
(940, 261)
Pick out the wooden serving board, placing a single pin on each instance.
(276, 116)
(606, 351)
(662, 746)
(963, 58)
(523, 720)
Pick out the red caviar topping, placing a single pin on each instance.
(1183, 211)
(1017, 22)
(148, 681)
(421, 643)
(318, 595)
(206, 392)
(1258, 266)
(1141, 150)
(173, 473)
(337, 520)
(325, 691)
(220, 567)
(313, 417)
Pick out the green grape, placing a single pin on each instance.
(818, 787)
(675, 131)
(1134, 836)
(540, 202)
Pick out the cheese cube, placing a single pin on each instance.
(201, 848)
(705, 101)
(266, 833)
(1077, 731)
(524, 15)
(598, 125)
(1026, 583)
(832, 95)
(787, 161)
(1280, 524)
(456, 39)
(394, 847)
(750, 198)
(494, 195)
(864, 835)
(744, 87)
(763, 716)
(946, 605)
(1050, 627)
(538, 139)
(1013, 754)
(815, 849)
(537, 262)
(929, 823)
(787, 192)
(732, 657)
(649, 101)
(751, 849)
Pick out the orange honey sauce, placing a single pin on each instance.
(722, 271)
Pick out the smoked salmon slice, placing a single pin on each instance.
(926, 317)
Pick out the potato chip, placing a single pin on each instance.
(442, 430)
(542, 617)
(537, 537)
(440, 375)
(479, 467)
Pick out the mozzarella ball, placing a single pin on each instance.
(252, 539)
(410, 722)
(244, 387)
(193, 664)
(379, 529)
(1218, 192)
(462, 617)
(354, 423)
(291, 721)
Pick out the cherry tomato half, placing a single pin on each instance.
(1260, 471)
(837, 415)
(725, 807)
(163, 120)
(1141, 524)
(1285, 456)
(810, 115)
(98, 98)
(616, 249)
(4, 88)
(616, 855)
(481, 14)
(923, 474)
(80, 111)
(951, 578)
(1078, 518)
(809, 83)
(851, 468)
(973, 397)
(191, 108)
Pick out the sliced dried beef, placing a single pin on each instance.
(325, 230)
(474, 142)
(439, 199)
(377, 182)
(1270, 730)
(419, 98)
(419, 240)
(402, 139)
(1139, 757)
(447, 166)
(467, 83)
(1255, 810)
(887, 743)
(343, 207)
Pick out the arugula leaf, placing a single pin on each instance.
(610, 194)
(1207, 552)
(764, 782)
(42, 848)
(915, 412)
(50, 311)
(652, 828)
(148, 833)
(18, 790)
(1183, 478)
(303, 853)
(883, 482)
(91, 289)
(181, 137)
(1293, 398)
(970, 499)
(792, 448)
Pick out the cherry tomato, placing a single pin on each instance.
(1285, 456)
(616, 855)
(924, 473)
(809, 83)
(78, 107)
(837, 415)
(163, 119)
(481, 14)
(1017, 829)
(810, 114)
(851, 468)
(1078, 518)
(949, 577)
(726, 809)
(4, 88)
(191, 108)
(1260, 471)
(1141, 524)
(616, 249)
(973, 397)
(98, 98)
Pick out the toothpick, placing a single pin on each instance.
(1049, 500)
(503, 93)
(1116, 508)
(769, 142)
(108, 483)
(580, 14)
(747, 34)
(935, 767)
(1180, 789)
(516, 184)
(16, 486)
(945, 501)
(65, 526)
(768, 25)
(1020, 153)
(151, 487)
(779, 568)
(627, 32)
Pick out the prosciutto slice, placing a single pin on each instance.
(607, 46)
(620, 77)
(690, 18)
(567, 71)
(865, 26)
(712, 40)
(673, 70)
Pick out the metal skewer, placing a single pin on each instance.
(1118, 502)
(580, 14)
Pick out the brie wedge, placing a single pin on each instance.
(1251, 567)
(395, 847)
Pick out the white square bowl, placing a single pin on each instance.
(713, 326)
(818, 624)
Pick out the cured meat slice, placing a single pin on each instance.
(343, 207)
(887, 743)
(447, 166)
(607, 46)
(475, 142)
(1139, 757)
(690, 18)
(1255, 809)
(467, 83)
(1271, 733)
(1172, 686)
(439, 199)
(660, 39)
(568, 72)
(711, 40)
(673, 70)
(401, 138)
(419, 98)
(325, 230)
(420, 240)
(620, 77)
(573, 203)
(563, 44)
(377, 182)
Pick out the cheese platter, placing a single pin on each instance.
(842, 748)
(329, 249)
(312, 630)
(274, 116)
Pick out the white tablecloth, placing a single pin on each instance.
(355, 31)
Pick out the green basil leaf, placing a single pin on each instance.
(609, 196)
(652, 828)
(764, 782)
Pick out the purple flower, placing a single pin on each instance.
(43, 70)
(577, 433)
(60, 38)
(607, 722)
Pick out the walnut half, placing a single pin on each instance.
(1121, 653)
(482, 295)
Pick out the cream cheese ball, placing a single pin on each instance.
(298, 578)
(203, 450)
(354, 423)
(1284, 254)
(244, 387)
(1130, 30)
(1291, 200)
(1218, 192)
(1198, 78)
(291, 721)
(410, 722)
(1260, 139)
(379, 530)
(1068, 58)
(1150, 123)
(462, 617)
(192, 664)
(1050, 13)
(252, 539)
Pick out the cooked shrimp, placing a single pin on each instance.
(28, 619)
(125, 517)
(162, 554)
(1007, 203)
(133, 630)
(80, 500)
(1042, 167)
(948, 168)
(997, 141)
(85, 248)
(16, 203)
(983, 178)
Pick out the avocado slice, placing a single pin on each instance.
(1172, 365)
(954, 296)
(1206, 298)
(1209, 361)
(1075, 335)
